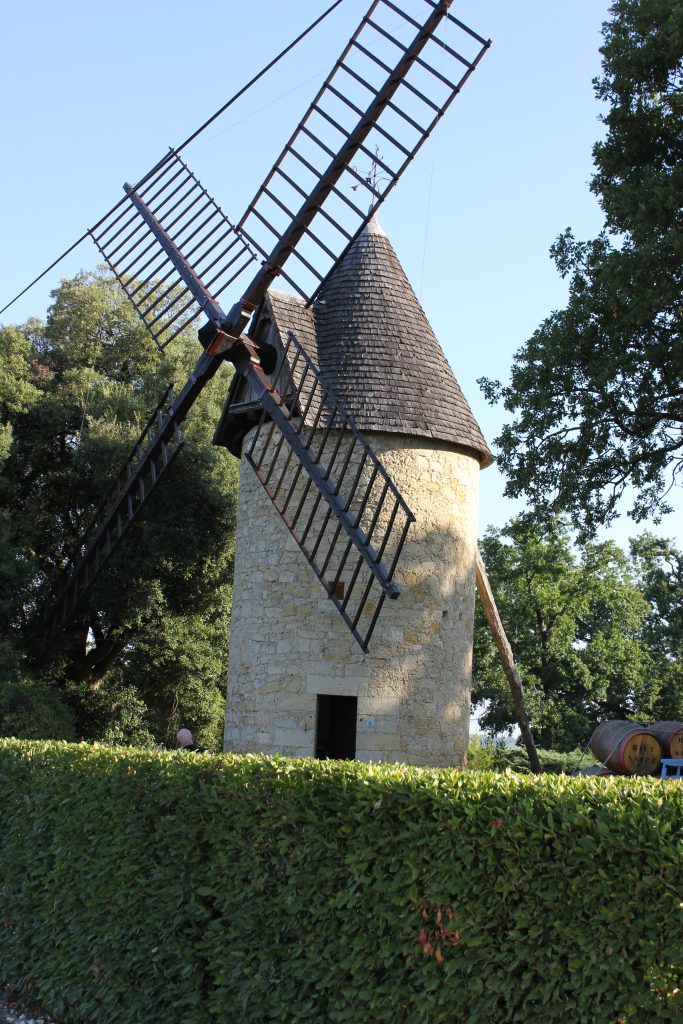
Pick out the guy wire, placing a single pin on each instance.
(178, 149)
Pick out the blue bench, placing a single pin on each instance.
(672, 767)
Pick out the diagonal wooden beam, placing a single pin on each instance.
(507, 660)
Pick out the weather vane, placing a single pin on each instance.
(375, 176)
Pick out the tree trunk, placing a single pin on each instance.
(507, 660)
(90, 665)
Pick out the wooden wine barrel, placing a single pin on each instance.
(670, 735)
(626, 748)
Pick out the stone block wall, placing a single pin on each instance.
(288, 643)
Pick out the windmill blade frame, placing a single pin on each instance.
(401, 115)
(145, 267)
(367, 518)
(152, 455)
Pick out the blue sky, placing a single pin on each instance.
(92, 95)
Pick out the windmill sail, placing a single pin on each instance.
(194, 224)
(190, 253)
(142, 472)
(354, 544)
(377, 109)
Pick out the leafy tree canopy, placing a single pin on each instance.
(147, 652)
(596, 635)
(597, 392)
(658, 566)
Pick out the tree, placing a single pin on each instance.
(581, 630)
(659, 570)
(17, 396)
(597, 392)
(147, 651)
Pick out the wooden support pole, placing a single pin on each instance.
(507, 660)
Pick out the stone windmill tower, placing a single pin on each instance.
(297, 682)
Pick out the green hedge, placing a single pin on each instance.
(154, 887)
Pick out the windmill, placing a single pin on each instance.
(175, 254)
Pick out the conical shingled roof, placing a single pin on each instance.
(375, 348)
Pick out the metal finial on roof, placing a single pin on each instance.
(373, 227)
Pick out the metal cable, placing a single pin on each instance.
(178, 149)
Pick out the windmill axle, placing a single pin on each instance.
(216, 342)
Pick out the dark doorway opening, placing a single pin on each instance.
(335, 734)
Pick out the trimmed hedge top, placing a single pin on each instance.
(139, 886)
